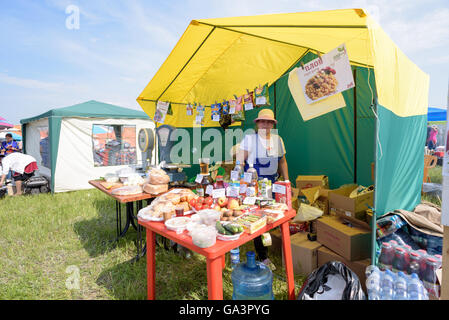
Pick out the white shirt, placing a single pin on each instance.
(273, 147)
(16, 162)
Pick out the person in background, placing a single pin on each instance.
(266, 151)
(9, 145)
(22, 165)
(432, 138)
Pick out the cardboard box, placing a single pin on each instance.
(352, 243)
(339, 201)
(318, 197)
(358, 267)
(311, 181)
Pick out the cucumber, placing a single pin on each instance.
(220, 228)
(231, 228)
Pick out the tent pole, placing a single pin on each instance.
(355, 124)
(374, 218)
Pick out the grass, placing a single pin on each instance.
(45, 237)
(436, 176)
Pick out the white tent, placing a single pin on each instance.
(75, 144)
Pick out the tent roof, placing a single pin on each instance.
(436, 114)
(216, 59)
(91, 109)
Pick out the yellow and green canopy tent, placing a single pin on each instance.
(384, 120)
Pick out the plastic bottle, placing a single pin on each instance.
(400, 287)
(387, 286)
(373, 282)
(430, 277)
(415, 288)
(386, 256)
(414, 266)
(235, 257)
(408, 250)
(252, 280)
(399, 262)
(238, 170)
(422, 263)
(253, 186)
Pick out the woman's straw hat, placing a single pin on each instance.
(265, 114)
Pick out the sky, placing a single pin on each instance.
(120, 45)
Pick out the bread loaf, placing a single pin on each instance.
(155, 189)
(158, 176)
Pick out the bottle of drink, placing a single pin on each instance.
(408, 250)
(235, 257)
(415, 288)
(387, 286)
(386, 256)
(373, 283)
(400, 287)
(430, 277)
(237, 172)
(253, 186)
(399, 263)
(414, 266)
(422, 262)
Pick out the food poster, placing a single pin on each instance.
(326, 76)
(199, 118)
(238, 114)
(189, 109)
(161, 111)
(310, 111)
(215, 111)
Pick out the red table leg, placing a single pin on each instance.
(215, 278)
(151, 265)
(288, 260)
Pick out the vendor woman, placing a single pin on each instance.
(266, 151)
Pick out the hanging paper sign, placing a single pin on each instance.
(200, 110)
(199, 178)
(232, 105)
(210, 189)
(243, 188)
(161, 111)
(248, 101)
(189, 109)
(215, 111)
(247, 177)
(251, 192)
(323, 77)
(278, 188)
(235, 176)
(239, 113)
(219, 193)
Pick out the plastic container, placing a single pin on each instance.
(177, 224)
(235, 257)
(415, 288)
(387, 286)
(430, 278)
(400, 287)
(386, 256)
(373, 282)
(399, 261)
(252, 188)
(252, 280)
(204, 237)
(414, 266)
(209, 216)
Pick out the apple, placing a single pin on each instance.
(222, 201)
(233, 204)
(217, 207)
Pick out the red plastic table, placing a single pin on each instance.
(215, 255)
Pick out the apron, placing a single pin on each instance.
(264, 161)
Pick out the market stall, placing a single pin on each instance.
(371, 132)
(82, 142)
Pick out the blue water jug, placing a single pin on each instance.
(252, 280)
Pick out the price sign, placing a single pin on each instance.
(209, 189)
(199, 178)
(248, 106)
(216, 118)
(243, 188)
(219, 193)
(235, 176)
(249, 201)
(232, 110)
(247, 177)
(277, 188)
(261, 101)
(232, 192)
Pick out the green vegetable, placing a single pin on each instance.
(232, 228)
(220, 228)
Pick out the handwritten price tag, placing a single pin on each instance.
(199, 178)
(277, 188)
(249, 201)
(235, 175)
(232, 192)
(247, 177)
(209, 189)
(219, 193)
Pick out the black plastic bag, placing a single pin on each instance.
(316, 283)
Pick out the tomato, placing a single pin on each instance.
(200, 200)
(198, 206)
(192, 202)
(209, 201)
(205, 206)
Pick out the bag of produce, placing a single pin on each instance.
(239, 113)
(261, 96)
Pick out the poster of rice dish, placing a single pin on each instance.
(323, 77)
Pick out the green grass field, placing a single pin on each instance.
(45, 237)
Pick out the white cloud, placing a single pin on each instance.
(30, 83)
